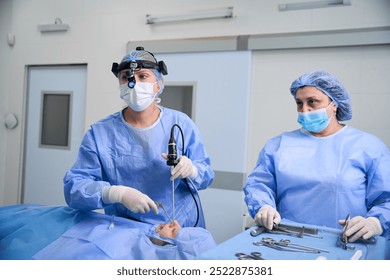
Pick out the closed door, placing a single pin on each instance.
(54, 130)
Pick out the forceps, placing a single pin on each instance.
(286, 245)
(300, 234)
(343, 239)
(165, 211)
(251, 256)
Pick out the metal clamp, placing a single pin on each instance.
(286, 245)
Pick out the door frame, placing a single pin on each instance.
(24, 128)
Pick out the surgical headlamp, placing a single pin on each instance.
(135, 65)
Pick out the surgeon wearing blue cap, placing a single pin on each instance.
(122, 161)
(325, 170)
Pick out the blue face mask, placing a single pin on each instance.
(314, 121)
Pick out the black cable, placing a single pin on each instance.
(173, 161)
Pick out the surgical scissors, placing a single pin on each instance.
(165, 211)
(287, 243)
(251, 256)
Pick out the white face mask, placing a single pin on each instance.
(138, 98)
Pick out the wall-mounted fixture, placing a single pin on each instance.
(199, 15)
(11, 39)
(56, 27)
(313, 5)
(10, 121)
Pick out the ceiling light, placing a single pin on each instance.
(200, 15)
(313, 5)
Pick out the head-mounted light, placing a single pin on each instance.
(134, 65)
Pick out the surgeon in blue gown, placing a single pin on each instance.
(322, 172)
(122, 161)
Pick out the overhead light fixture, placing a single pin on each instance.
(57, 26)
(313, 5)
(200, 15)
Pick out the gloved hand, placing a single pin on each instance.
(267, 216)
(183, 169)
(132, 199)
(362, 227)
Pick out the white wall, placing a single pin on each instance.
(222, 101)
(100, 30)
(363, 70)
(5, 53)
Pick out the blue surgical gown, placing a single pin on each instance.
(116, 153)
(318, 181)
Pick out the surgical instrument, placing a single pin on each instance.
(299, 233)
(257, 231)
(287, 242)
(165, 211)
(343, 239)
(251, 256)
(286, 245)
(172, 161)
(173, 199)
(307, 230)
(287, 230)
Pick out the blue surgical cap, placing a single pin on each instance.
(328, 84)
(144, 55)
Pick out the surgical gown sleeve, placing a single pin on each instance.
(83, 184)
(260, 187)
(378, 192)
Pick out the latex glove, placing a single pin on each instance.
(183, 169)
(267, 216)
(360, 227)
(132, 199)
